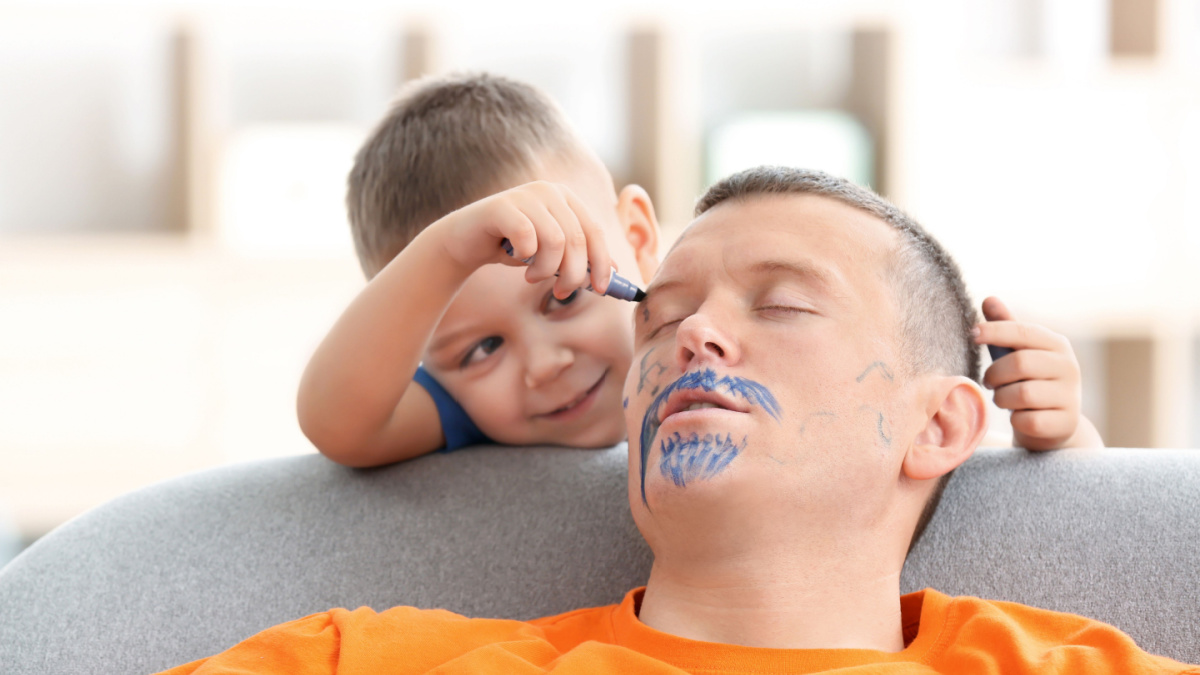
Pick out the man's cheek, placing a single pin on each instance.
(630, 402)
(645, 377)
(651, 368)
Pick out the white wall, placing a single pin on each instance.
(86, 130)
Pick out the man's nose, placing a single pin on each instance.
(704, 338)
(546, 360)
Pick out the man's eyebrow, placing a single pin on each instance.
(658, 286)
(824, 278)
(656, 289)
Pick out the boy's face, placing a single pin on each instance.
(532, 369)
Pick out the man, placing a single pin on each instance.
(809, 380)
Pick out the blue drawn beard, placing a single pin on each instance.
(697, 457)
(707, 380)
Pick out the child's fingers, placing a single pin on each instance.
(512, 224)
(549, 229)
(1020, 335)
(599, 261)
(1033, 395)
(1043, 429)
(551, 242)
(995, 310)
(572, 271)
(1026, 364)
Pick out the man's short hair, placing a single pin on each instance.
(936, 313)
(447, 141)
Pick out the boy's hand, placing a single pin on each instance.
(1039, 382)
(542, 220)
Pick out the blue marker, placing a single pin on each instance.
(998, 353)
(618, 286)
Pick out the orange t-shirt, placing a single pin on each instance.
(943, 635)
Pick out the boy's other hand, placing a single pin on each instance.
(1040, 382)
(541, 220)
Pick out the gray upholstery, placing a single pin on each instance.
(1110, 534)
(186, 568)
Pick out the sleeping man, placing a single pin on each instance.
(809, 381)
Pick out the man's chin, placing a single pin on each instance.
(698, 469)
(707, 512)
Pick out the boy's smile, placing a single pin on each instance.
(579, 405)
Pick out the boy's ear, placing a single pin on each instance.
(636, 213)
(957, 421)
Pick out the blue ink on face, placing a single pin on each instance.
(625, 402)
(883, 371)
(645, 371)
(697, 457)
(707, 380)
(885, 431)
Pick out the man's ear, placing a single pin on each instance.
(636, 213)
(957, 421)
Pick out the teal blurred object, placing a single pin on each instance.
(829, 140)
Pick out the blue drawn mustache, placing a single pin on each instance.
(707, 380)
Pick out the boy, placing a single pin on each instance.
(515, 355)
(531, 363)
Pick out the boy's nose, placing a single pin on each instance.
(545, 363)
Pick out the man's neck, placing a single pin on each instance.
(783, 606)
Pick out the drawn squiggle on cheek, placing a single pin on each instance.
(697, 457)
(707, 380)
(885, 430)
(647, 370)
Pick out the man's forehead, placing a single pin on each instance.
(767, 230)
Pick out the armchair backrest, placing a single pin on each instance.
(189, 567)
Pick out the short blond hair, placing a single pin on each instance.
(447, 141)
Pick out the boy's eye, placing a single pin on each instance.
(481, 350)
(554, 303)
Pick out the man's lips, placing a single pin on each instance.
(578, 403)
(687, 400)
(731, 391)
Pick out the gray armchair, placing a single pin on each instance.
(188, 567)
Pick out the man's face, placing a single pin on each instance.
(766, 368)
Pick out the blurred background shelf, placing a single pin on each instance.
(173, 242)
